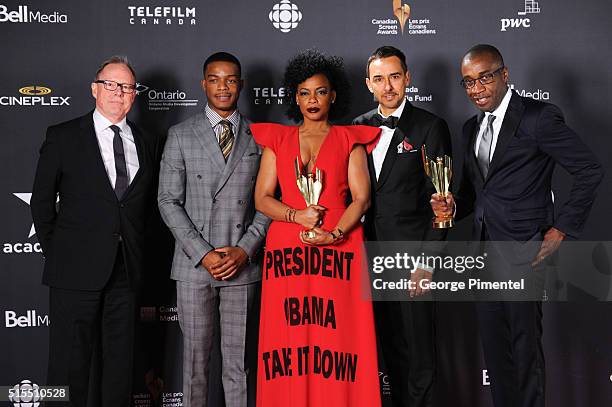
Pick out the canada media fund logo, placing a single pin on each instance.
(402, 23)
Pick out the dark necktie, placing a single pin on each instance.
(226, 139)
(484, 149)
(121, 182)
(390, 122)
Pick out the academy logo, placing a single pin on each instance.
(23, 247)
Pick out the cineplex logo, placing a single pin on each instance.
(24, 15)
(31, 319)
(35, 95)
(162, 15)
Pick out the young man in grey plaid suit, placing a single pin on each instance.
(206, 182)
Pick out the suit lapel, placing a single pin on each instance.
(398, 135)
(512, 119)
(88, 134)
(473, 128)
(241, 141)
(206, 137)
(142, 158)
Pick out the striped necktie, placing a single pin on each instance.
(226, 139)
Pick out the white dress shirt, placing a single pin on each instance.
(380, 151)
(499, 114)
(105, 141)
(214, 118)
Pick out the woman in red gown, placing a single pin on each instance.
(317, 343)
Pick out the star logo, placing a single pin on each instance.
(26, 197)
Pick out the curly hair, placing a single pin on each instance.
(307, 64)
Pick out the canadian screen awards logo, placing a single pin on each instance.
(402, 23)
(530, 7)
(285, 16)
(162, 15)
(35, 95)
(23, 14)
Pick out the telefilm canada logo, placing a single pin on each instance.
(24, 14)
(402, 23)
(35, 96)
(268, 96)
(522, 21)
(285, 16)
(24, 247)
(162, 15)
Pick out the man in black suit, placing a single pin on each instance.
(102, 167)
(400, 211)
(511, 149)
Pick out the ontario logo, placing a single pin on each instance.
(402, 22)
(167, 99)
(35, 95)
(24, 15)
(285, 16)
(522, 21)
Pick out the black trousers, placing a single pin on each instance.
(406, 335)
(80, 320)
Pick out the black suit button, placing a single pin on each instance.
(199, 176)
(240, 202)
(249, 131)
(253, 178)
(214, 200)
(238, 226)
(122, 205)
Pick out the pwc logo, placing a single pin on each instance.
(531, 7)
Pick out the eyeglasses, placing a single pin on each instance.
(483, 79)
(112, 86)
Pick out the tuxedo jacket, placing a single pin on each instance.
(514, 202)
(80, 236)
(400, 207)
(208, 203)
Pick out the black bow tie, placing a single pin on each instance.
(390, 122)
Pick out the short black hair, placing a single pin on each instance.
(307, 64)
(387, 51)
(486, 49)
(221, 57)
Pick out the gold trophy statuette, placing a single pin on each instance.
(310, 185)
(440, 172)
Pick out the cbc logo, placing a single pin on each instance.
(285, 16)
(25, 394)
(34, 90)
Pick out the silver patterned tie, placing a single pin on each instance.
(484, 149)
(226, 139)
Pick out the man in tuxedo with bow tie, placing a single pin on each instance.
(207, 177)
(511, 149)
(400, 211)
(103, 169)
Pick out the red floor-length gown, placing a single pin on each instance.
(317, 344)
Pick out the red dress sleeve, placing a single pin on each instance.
(366, 135)
(268, 134)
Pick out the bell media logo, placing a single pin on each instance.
(162, 15)
(285, 16)
(530, 7)
(35, 95)
(23, 14)
(394, 26)
(31, 319)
